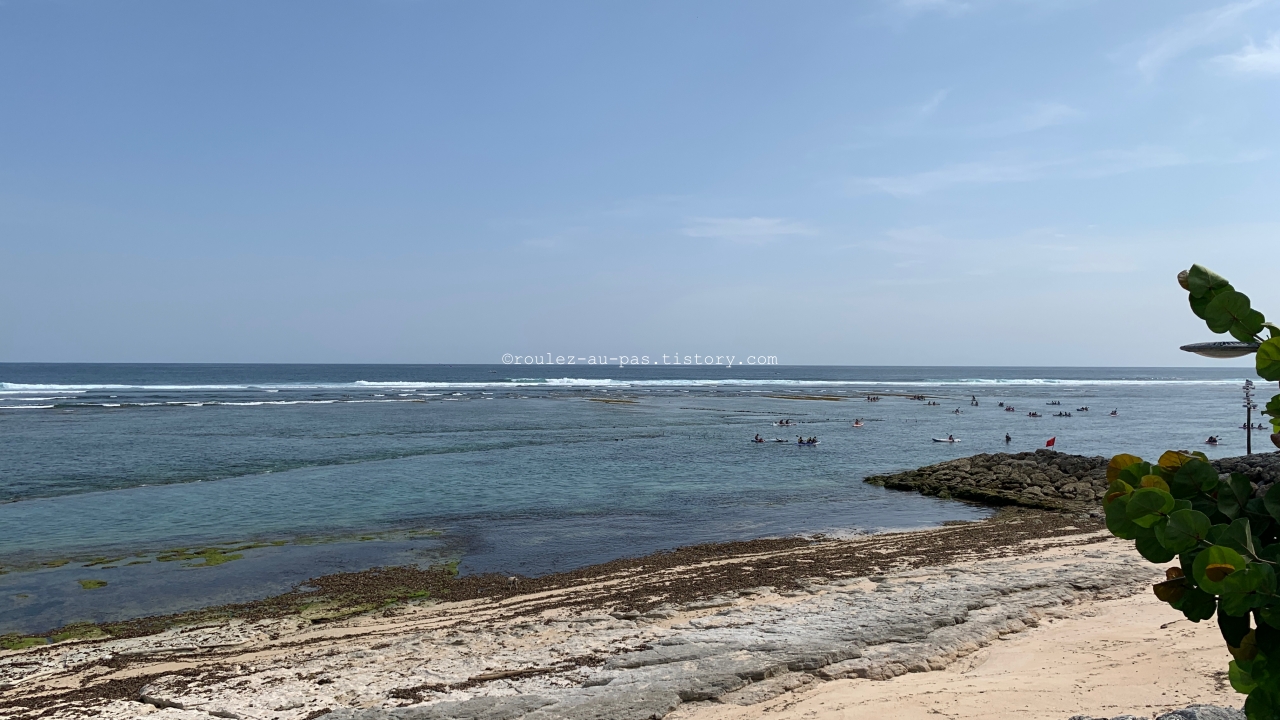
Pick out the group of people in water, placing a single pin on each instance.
(799, 440)
(973, 401)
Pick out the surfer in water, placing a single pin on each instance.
(1007, 438)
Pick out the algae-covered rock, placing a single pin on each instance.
(1043, 479)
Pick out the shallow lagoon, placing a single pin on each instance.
(519, 477)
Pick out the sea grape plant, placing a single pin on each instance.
(1227, 310)
(1226, 539)
(1223, 532)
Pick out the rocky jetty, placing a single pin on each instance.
(1193, 712)
(1043, 479)
(1262, 468)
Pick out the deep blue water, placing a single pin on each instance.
(520, 469)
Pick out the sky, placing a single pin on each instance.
(886, 182)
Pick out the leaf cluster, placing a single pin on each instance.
(1227, 310)
(1226, 540)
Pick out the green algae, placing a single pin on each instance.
(83, 631)
(103, 561)
(92, 584)
(78, 631)
(55, 563)
(209, 556)
(21, 642)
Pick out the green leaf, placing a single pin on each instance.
(1270, 616)
(1197, 605)
(1260, 705)
(1193, 477)
(1241, 681)
(1118, 463)
(1117, 489)
(1185, 530)
(1206, 505)
(1213, 565)
(1268, 360)
(1201, 280)
(1155, 481)
(1270, 553)
(1173, 459)
(1151, 549)
(1133, 474)
(1216, 532)
(1233, 627)
(1273, 407)
(1234, 603)
(1187, 562)
(1239, 537)
(1230, 312)
(1147, 505)
(1118, 521)
(1233, 495)
(1272, 501)
(1255, 578)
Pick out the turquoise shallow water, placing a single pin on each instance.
(519, 473)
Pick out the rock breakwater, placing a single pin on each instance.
(1043, 479)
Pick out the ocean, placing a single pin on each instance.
(127, 474)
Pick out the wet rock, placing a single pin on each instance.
(919, 621)
(1194, 712)
(1044, 479)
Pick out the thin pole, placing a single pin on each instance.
(1248, 415)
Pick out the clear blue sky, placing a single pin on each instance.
(895, 182)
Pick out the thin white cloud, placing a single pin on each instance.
(1193, 31)
(1039, 117)
(953, 7)
(1094, 165)
(1047, 115)
(748, 229)
(1119, 162)
(1253, 59)
(975, 173)
(934, 102)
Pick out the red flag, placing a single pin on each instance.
(1052, 440)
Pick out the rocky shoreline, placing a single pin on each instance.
(744, 620)
(1043, 479)
(734, 624)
